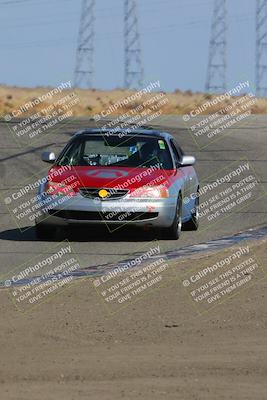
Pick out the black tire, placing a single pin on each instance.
(174, 231)
(42, 232)
(193, 223)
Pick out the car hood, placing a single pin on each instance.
(112, 177)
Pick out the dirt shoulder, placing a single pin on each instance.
(159, 347)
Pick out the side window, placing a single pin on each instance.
(176, 154)
(179, 150)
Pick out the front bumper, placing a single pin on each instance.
(79, 210)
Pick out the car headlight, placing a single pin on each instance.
(58, 189)
(150, 192)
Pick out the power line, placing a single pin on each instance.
(34, 2)
(103, 36)
(15, 2)
(98, 14)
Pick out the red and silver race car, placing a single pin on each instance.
(138, 178)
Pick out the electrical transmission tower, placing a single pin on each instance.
(134, 73)
(84, 71)
(261, 48)
(216, 76)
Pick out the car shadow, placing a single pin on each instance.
(27, 234)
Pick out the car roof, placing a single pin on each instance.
(141, 131)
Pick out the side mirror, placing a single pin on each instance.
(187, 161)
(48, 157)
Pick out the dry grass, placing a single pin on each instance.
(94, 101)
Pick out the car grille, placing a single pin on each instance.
(113, 194)
(108, 216)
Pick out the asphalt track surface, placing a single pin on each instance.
(18, 162)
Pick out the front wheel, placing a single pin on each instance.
(193, 223)
(174, 231)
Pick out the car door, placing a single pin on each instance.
(187, 179)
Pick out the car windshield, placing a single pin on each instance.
(102, 150)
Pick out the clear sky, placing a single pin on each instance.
(38, 41)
